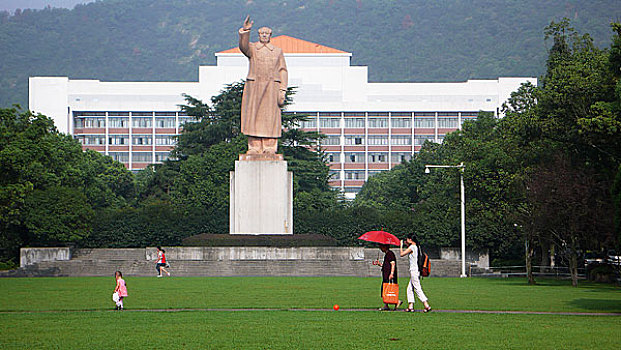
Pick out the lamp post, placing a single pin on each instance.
(461, 168)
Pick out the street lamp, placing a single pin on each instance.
(461, 168)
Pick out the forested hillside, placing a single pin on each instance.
(400, 40)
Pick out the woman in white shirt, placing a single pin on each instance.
(414, 285)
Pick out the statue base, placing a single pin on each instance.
(261, 196)
(260, 156)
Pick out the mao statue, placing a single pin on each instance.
(264, 92)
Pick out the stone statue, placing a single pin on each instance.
(264, 92)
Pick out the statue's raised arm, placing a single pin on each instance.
(244, 36)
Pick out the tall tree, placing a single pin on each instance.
(522, 137)
(49, 186)
(57, 215)
(570, 203)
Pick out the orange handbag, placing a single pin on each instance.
(390, 293)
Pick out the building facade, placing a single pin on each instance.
(370, 127)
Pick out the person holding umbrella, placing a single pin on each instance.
(389, 265)
(389, 271)
(414, 285)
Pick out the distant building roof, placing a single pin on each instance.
(294, 45)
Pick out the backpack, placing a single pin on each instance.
(424, 265)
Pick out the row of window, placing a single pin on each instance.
(353, 174)
(122, 114)
(124, 122)
(140, 157)
(354, 190)
(372, 157)
(378, 140)
(326, 119)
(386, 114)
(419, 122)
(138, 140)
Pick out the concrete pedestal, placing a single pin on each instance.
(261, 197)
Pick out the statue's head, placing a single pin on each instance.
(265, 34)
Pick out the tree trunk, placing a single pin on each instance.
(573, 269)
(552, 261)
(529, 260)
(545, 256)
(573, 263)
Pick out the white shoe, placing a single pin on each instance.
(168, 273)
(158, 276)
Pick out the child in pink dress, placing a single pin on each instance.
(120, 289)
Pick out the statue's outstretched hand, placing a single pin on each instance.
(247, 23)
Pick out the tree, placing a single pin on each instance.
(616, 194)
(395, 189)
(44, 173)
(301, 149)
(214, 124)
(522, 137)
(105, 182)
(577, 88)
(196, 180)
(153, 223)
(57, 215)
(569, 202)
(579, 123)
(203, 179)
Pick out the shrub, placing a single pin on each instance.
(282, 241)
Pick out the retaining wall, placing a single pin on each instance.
(478, 258)
(30, 256)
(217, 261)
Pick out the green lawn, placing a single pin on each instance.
(94, 293)
(27, 323)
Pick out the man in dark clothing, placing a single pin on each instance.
(389, 270)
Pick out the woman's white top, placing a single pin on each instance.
(413, 257)
(159, 257)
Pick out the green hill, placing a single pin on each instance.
(416, 40)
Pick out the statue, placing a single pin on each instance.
(264, 92)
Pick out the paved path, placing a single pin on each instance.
(497, 312)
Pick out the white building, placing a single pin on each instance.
(370, 126)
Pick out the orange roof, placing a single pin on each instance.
(293, 45)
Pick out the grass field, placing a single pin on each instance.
(76, 313)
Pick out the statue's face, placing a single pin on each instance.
(265, 35)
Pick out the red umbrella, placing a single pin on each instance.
(380, 237)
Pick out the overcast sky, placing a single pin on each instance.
(11, 5)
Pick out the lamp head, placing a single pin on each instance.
(426, 170)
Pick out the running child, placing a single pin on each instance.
(161, 262)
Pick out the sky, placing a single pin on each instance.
(11, 5)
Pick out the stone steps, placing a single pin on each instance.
(108, 254)
(360, 268)
(219, 261)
